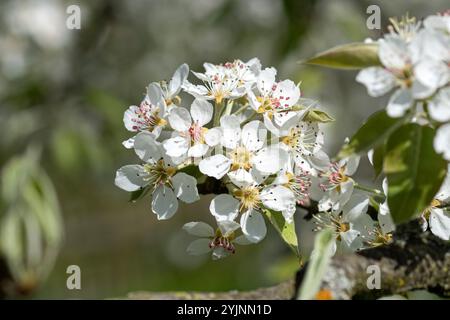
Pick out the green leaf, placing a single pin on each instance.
(316, 115)
(372, 133)
(414, 170)
(286, 230)
(347, 56)
(317, 265)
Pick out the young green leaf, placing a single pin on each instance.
(347, 56)
(373, 132)
(286, 230)
(414, 170)
(317, 265)
(315, 115)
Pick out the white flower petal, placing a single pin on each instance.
(440, 223)
(213, 136)
(164, 202)
(356, 206)
(231, 131)
(271, 159)
(253, 135)
(129, 118)
(227, 227)
(176, 146)
(386, 223)
(129, 143)
(180, 119)
(147, 148)
(220, 253)
(282, 123)
(266, 80)
(442, 141)
(352, 164)
(242, 240)
(224, 207)
(377, 80)
(444, 192)
(215, 166)
(178, 79)
(156, 97)
(199, 229)
(393, 52)
(131, 177)
(431, 73)
(185, 187)
(253, 226)
(399, 102)
(241, 177)
(421, 91)
(197, 91)
(287, 93)
(277, 198)
(439, 106)
(198, 150)
(199, 247)
(201, 111)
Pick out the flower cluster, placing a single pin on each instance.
(415, 58)
(245, 128)
(255, 136)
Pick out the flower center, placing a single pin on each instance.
(197, 133)
(249, 198)
(335, 176)
(299, 184)
(241, 159)
(378, 238)
(220, 241)
(159, 173)
(302, 139)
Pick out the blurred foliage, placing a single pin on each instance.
(30, 224)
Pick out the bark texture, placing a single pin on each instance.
(414, 260)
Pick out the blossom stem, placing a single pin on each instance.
(370, 190)
(241, 109)
(228, 108)
(250, 118)
(217, 113)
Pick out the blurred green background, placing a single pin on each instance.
(63, 92)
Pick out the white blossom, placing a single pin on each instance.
(158, 173)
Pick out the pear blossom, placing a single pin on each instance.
(245, 156)
(171, 90)
(190, 133)
(298, 180)
(159, 174)
(249, 201)
(337, 184)
(414, 60)
(348, 224)
(220, 242)
(436, 217)
(149, 116)
(227, 81)
(303, 140)
(275, 100)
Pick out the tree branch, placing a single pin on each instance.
(414, 260)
